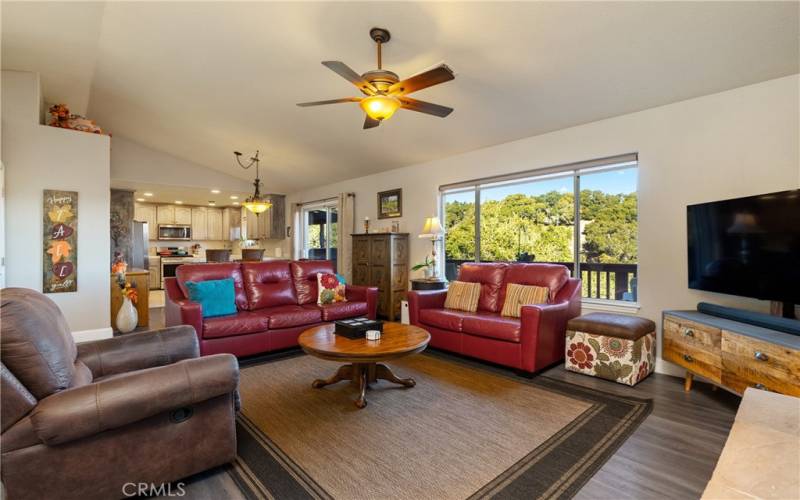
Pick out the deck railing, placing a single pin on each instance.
(599, 281)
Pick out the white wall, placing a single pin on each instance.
(38, 157)
(735, 143)
(135, 163)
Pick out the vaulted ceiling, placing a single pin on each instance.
(201, 79)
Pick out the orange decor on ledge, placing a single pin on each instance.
(62, 118)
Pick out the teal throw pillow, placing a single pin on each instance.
(217, 297)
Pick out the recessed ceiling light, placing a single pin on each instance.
(234, 197)
(215, 191)
(139, 199)
(236, 203)
(148, 194)
(211, 203)
(178, 202)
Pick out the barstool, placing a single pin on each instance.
(218, 255)
(252, 254)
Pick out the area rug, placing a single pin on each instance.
(465, 431)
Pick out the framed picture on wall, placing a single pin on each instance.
(390, 204)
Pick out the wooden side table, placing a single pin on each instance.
(428, 284)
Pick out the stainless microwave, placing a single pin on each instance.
(174, 232)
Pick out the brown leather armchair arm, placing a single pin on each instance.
(90, 409)
(137, 351)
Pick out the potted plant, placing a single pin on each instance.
(427, 265)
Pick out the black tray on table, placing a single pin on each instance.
(356, 328)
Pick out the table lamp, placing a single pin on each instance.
(433, 230)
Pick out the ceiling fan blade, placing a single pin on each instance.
(330, 101)
(425, 107)
(435, 76)
(371, 122)
(351, 76)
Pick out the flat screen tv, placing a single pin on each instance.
(747, 246)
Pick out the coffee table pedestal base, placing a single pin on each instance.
(361, 375)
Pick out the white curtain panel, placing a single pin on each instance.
(297, 231)
(346, 223)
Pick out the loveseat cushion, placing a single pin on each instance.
(552, 276)
(237, 324)
(443, 318)
(217, 271)
(490, 275)
(493, 326)
(341, 310)
(268, 284)
(304, 274)
(289, 316)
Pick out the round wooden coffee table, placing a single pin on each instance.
(364, 356)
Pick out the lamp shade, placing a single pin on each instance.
(257, 205)
(432, 228)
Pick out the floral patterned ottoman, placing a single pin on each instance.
(611, 346)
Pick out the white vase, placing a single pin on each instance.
(127, 317)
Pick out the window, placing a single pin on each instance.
(532, 218)
(320, 231)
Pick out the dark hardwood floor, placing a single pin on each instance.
(670, 456)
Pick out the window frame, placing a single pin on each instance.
(574, 170)
(327, 205)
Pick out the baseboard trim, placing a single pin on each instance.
(90, 335)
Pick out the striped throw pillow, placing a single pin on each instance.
(521, 295)
(463, 296)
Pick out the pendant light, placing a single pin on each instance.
(255, 203)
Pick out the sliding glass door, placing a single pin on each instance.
(320, 231)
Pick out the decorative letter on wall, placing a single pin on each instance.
(60, 242)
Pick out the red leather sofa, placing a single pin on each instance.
(275, 302)
(529, 343)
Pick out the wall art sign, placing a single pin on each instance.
(60, 242)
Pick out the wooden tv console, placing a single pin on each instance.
(731, 354)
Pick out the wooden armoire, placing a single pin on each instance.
(381, 260)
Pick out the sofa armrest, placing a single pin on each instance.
(90, 409)
(428, 299)
(179, 310)
(368, 294)
(542, 331)
(137, 351)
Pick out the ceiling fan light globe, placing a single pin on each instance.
(380, 107)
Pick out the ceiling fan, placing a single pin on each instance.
(384, 91)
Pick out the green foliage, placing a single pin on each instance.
(543, 225)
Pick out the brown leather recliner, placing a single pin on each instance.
(83, 421)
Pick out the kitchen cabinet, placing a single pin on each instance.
(155, 273)
(231, 224)
(165, 214)
(214, 224)
(144, 212)
(251, 225)
(199, 223)
(183, 215)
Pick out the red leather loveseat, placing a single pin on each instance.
(275, 302)
(529, 343)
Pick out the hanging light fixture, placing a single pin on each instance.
(256, 203)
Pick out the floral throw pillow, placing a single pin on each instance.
(330, 289)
